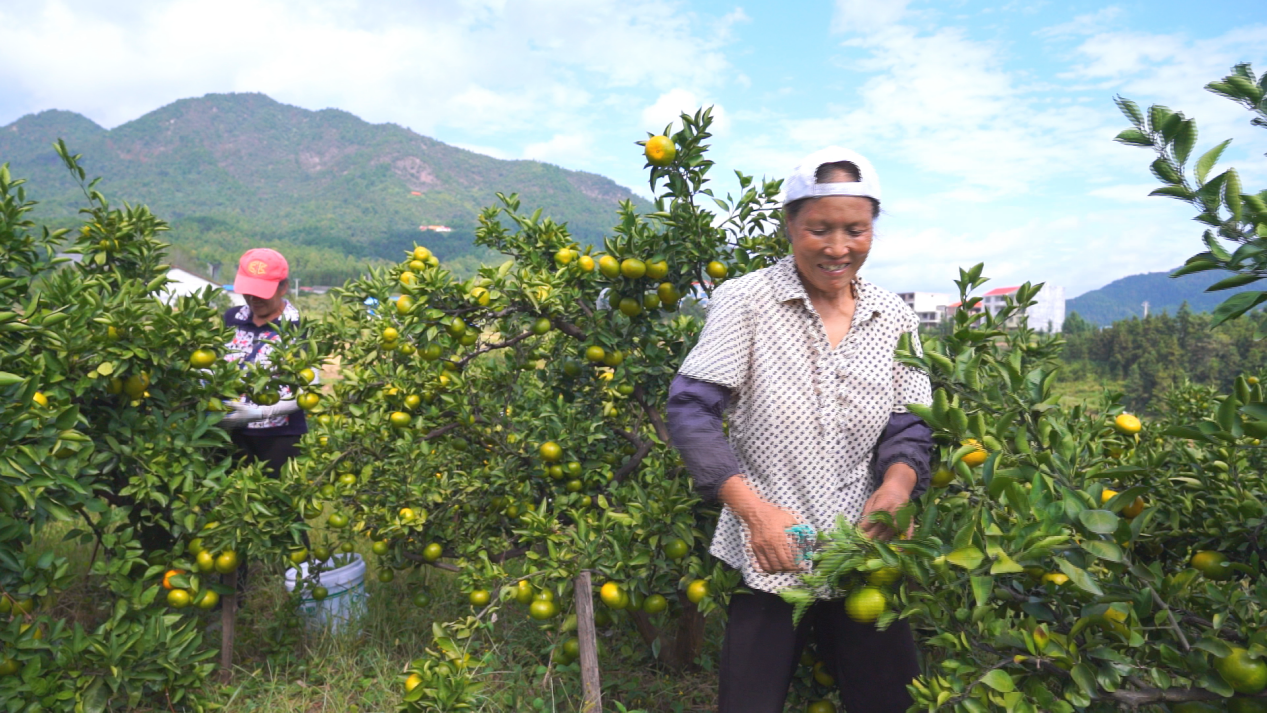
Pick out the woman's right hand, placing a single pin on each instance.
(767, 526)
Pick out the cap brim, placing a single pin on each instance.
(254, 286)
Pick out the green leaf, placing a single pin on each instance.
(1104, 550)
(1079, 577)
(1228, 283)
(1237, 305)
(1185, 139)
(7, 379)
(1232, 194)
(1005, 565)
(981, 588)
(966, 557)
(1196, 264)
(1101, 522)
(1130, 109)
(1208, 159)
(1134, 137)
(1085, 678)
(1174, 192)
(999, 680)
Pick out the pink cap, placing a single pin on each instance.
(259, 272)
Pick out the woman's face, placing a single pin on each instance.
(831, 237)
(270, 307)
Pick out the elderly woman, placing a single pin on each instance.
(800, 356)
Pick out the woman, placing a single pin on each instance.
(800, 354)
(269, 434)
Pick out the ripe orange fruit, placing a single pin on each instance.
(308, 400)
(399, 419)
(412, 682)
(391, 334)
(1130, 511)
(1212, 565)
(550, 451)
(202, 358)
(865, 604)
(976, 457)
(595, 353)
(406, 514)
(178, 599)
(1057, 578)
(676, 549)
(609, 266)
(404, 303)
(227, 562)
(613, 595)
(633, 268)
(478, 598)
(1127, 424)
(586, 263)
(408, 279)
(432, 552)
(1245, 675)
(167, 577)
(207, 599)
(421, 253)
(542, 609)
(660, 151)
(696, 591)
(717, 270)
(654, 604)
(657, 270)
(481, 296)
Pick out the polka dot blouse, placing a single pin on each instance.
(804, 417)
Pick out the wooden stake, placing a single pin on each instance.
(228, 615)
(591, 691)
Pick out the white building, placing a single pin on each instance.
(183, 283)
(1047, 314)
(929, 306)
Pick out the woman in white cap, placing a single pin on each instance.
(800, 357)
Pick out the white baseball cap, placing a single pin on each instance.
(803, 182)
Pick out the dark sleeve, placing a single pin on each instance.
(906, 439)
(695, 425)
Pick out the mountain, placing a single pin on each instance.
(1124, 298)
(231, 171)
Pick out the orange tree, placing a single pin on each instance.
(109, 440)
(510, 427)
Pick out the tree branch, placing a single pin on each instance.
(652, 414)
(568, 328)
(1173, 624)
(643, 449)
(490, 347)
(436, 433)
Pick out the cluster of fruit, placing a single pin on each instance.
(184, 589)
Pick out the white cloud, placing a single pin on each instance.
(562, 149)
(669, 107)
(484, 66)
(866, 15)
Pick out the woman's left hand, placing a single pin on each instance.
(895, 492)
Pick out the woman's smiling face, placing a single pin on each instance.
(831, 237)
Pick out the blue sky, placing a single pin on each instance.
(990, 123)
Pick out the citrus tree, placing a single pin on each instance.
(109, 440)
(510, 427)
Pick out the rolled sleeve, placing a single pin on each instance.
(906, 439)
(695, 426)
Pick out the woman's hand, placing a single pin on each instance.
(767, 526)
(895, 492)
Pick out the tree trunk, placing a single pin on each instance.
(689, 640)
(591, 688)
(228, 616)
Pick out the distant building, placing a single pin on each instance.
(929, 306)
(182, 284)
(435, 228)
(1047, 314)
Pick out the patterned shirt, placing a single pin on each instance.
(805, 417)
(253, 344)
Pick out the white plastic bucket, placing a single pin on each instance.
(346, 601)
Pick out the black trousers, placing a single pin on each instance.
(762, 649)
(273, 451)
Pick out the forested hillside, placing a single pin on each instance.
(335, 192)
(1124, 298)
